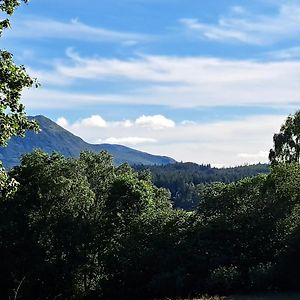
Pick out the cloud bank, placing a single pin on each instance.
(222, 143)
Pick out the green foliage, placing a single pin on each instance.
(287, 141)
(185, 180)
(13, 79)
(79, 228)
(224, 279)
(7, 186)
(56, 203)
(260, 276)
(8, 7)
(82, 224)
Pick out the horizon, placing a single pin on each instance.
(155, 154)
(203, 83)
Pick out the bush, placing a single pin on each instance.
(224, 279)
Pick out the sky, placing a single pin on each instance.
(202, 81)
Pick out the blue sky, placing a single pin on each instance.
(203, 81)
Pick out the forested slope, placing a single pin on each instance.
(185, 180)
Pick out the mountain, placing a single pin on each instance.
(55, 138)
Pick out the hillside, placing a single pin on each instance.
(55, 138)
(185, 179)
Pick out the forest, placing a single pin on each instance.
(85, 229)
(185, 180)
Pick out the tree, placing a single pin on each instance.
(287, 141)
(79, 227)
(13, 79)
(50, 225)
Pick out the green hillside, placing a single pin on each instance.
(55, 138)
(184, 180)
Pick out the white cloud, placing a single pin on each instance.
(141, 68)
(63, 122)
(250, 28)
(125, 123)
(155, 122)
(219, 32)
(38, 28)
(188, 122)
(49, 78)
(132, 140)
(93, 121)
(220, 143)
(223, 143)
(259, 155)
(176, 82)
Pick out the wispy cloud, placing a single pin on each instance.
(38, 28)
(174, 81)
(245, 27)
(49, 77)
(286, 54)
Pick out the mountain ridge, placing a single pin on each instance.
(55, 138)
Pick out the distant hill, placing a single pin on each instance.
(184, 179)
(55, 138)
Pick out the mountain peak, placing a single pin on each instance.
(55, 138)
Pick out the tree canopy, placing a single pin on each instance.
(79, 228)
(287, 141)
(13, 79)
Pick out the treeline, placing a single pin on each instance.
(185, 180)
(85, 229)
